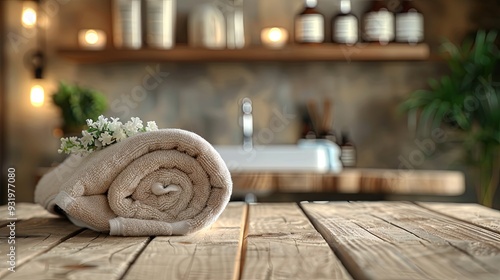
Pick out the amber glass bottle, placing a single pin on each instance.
(310, 24)
(409, 24)
(348, 155)
(345, 25)
(378, 23)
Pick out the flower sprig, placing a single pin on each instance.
(103, 133)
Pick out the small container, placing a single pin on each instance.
(127, 24)
(310, 24)
(409, 24)
(348, 151)
(378, 24)
(160, 23)
(235, 28)
(207, 27)
(345, 25)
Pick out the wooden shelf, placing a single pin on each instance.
(323, 52)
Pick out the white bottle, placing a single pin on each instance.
(206, 27)
(345, 25)
(310, 24)
(235, 29)
(409, 24)
(127, 24)
(378, 24)
(160, 23)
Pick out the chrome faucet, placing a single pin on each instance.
(247, 123)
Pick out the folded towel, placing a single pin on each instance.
(165, 182)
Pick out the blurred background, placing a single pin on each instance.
(194, 91)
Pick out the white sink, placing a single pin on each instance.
(299, 158)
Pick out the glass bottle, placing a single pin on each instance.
(409, 24)
(347, 151)
(345, 25)
(310, 24)
(378, 24)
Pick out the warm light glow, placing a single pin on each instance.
(274, 37)
(274, 34)
(37, 96)
(28, 17)
(91, 37)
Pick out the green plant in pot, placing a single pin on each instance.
(77, 104)
(467, 103)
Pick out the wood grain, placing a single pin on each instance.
(281, 243)
(473, 213)
(383, 240)
(26, 211)
(34, 237)
(88, 255)
(212, 253)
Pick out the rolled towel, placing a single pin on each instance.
(165, 182)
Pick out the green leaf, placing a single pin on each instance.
(428, 112)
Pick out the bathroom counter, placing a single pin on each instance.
(353, 181)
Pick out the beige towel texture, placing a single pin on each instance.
(166, 182)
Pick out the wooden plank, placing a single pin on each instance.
(384, 240)
(34, 237)
(281, 243)
(88, 255)
(323, 52)
(212, 253)
(25, 211)
(469, 212)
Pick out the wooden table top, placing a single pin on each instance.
(330, 240)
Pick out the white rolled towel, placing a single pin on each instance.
(165, 182)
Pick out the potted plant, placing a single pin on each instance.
(467, 103)
(77, 104)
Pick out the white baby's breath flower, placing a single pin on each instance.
(90, 123)
(114, 125)
(101, 122)
(151, 126)
(137, 122)
(76, 150)
(73, 140)
(133, 126)
(102, 133)
(106, 139)
(129, 128)
(119, 135)
(87, 138)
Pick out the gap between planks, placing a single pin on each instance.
(136, 257)
(211, 253)
(240, 258)
(283, 244)
(354, 273)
